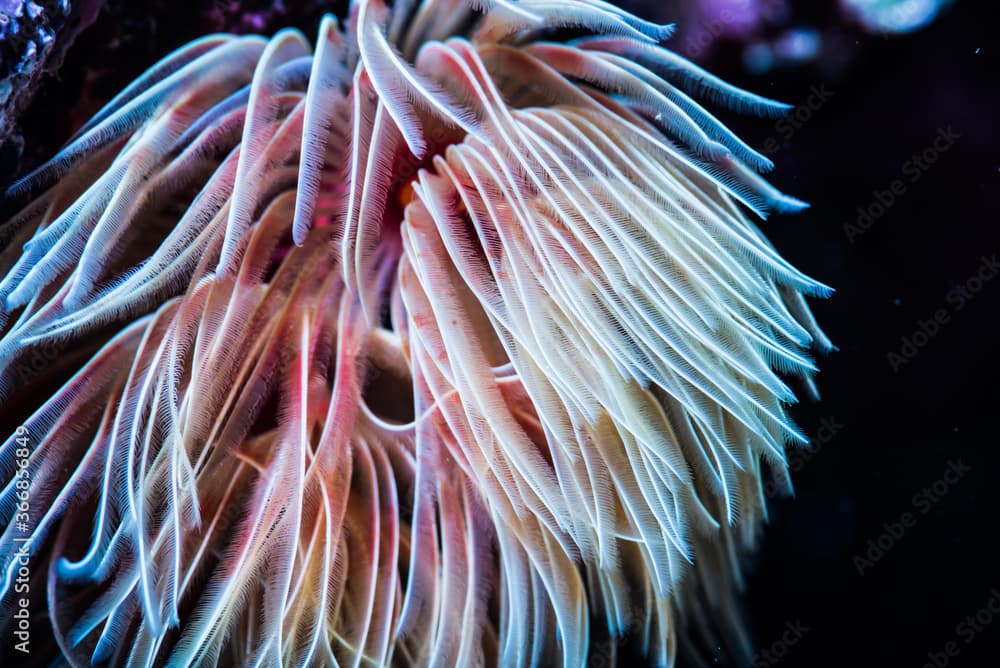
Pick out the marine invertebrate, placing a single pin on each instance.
(423, 347)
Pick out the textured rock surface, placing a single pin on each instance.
(34, 36)
(98, 47)
(27, 37)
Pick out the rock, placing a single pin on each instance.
(34, 36)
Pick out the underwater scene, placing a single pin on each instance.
(499, 333)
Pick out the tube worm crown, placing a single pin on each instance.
(449, 341)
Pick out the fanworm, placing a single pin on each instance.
(448, 342)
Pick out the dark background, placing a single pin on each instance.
(900, 428)
(830, 562)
